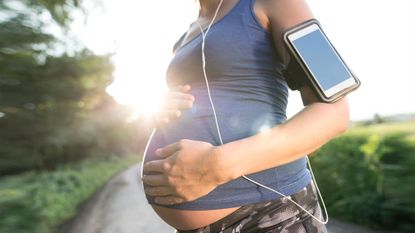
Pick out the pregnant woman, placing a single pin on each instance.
(192, 180)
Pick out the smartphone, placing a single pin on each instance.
(326, 71)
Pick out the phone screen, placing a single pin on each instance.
(322, 60)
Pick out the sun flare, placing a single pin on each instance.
(140, 88)
(144, 50)
(144, 100)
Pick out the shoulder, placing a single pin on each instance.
(260, 12)
(281, 14)
(277, 16)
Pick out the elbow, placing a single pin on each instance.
(343, 115)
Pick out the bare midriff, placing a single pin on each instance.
(191, 219)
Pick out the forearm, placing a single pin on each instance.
(308, 130)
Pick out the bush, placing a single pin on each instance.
(368, 179)
(38, 202)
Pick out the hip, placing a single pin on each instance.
(191, 219)
(279, 215)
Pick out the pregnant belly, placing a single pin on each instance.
(198, 124)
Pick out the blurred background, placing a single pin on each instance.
(79, 80)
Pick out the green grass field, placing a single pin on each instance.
(406, 127)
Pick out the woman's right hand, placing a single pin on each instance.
(173, 102)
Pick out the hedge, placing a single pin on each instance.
(369, 179)
(36, 203)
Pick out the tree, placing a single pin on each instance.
(52, 105)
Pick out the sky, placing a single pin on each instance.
(376, 38)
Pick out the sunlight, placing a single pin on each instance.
(139, 73)
(140, 88)
(143, 50)
(143, 100)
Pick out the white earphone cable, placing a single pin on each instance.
(221, 141)
(220, 136)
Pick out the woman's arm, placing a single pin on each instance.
(308, 130)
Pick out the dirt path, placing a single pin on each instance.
(120, 207)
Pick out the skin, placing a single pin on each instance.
(174, 102)
(189, 169)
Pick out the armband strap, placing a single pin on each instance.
(294, 75)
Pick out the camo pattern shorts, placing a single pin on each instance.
(277, 216)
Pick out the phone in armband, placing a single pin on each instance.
(324, 69)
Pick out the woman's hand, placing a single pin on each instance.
(174, 101)
(186, 171)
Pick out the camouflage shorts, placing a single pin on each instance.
(279, 215)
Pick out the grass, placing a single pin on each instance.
(382, 129)
(37, 203)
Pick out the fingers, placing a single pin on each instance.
(154, 180)
(185, 88)
(159, 191)
(172, 105)
(178, 94)
(163, 194)
(158, 187)
(169, 200)
(168, 150)
(154, 166)
(177, 100)
(182, 88)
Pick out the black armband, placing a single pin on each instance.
(294, 75)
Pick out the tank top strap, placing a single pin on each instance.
(244, 12)
(241, 8)
(255, 20)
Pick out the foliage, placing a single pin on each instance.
(54, 113)
(54, 109)
(36, 203)
(59, 10)
(368, 179)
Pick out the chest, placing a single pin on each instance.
(226, 48)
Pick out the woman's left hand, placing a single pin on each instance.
(186, 171)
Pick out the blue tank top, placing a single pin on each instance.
(249, 94)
